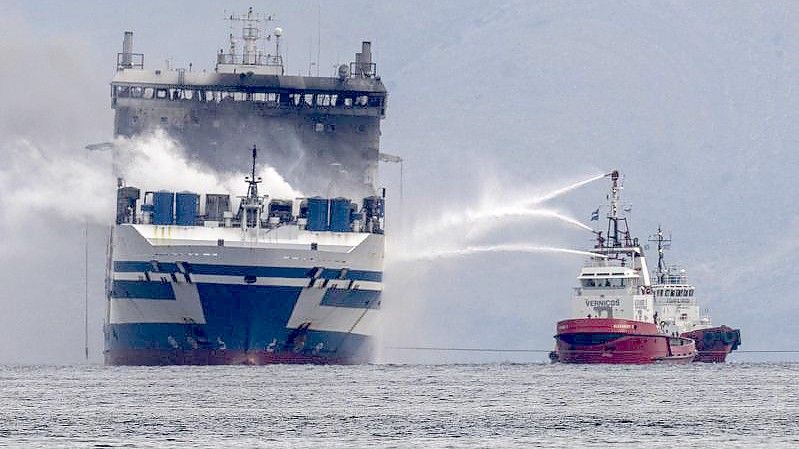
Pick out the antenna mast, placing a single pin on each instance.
(663, 244)
(618, 230)
(252, 190)
(613, 214)
(251, 205)
(251, 58)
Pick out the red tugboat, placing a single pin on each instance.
(678, 311)
(614, 318)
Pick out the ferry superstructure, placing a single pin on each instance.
(613, 309)
(318, 132)
(678, 311)
(195, 279)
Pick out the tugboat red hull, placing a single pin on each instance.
(713, 344)
(618, 341)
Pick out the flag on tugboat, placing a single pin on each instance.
(595, 215)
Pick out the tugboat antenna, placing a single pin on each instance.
(663, 244)
(614, 231)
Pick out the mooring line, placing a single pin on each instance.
(433, 348)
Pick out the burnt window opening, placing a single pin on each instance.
(326, 99)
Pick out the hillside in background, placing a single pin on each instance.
(489, 102)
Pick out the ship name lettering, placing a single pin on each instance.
(602, 302)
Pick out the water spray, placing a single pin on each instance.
(558, 192)
(524, 212)
(507, 248)
(524, 208)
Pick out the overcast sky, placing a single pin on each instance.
(695, 102)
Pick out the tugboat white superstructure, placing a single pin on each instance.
(192, 280)
(613, 309)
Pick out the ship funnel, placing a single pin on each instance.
(366, 52)
(127, 50)
(363, 60)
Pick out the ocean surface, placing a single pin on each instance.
(489, 405)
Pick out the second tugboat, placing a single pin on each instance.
(678, 311)
(614, 317)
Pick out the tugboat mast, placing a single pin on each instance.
(613, 223)
(618, 231)
(663, 244)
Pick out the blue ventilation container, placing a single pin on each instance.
(340, 219)
(317, 214)
(163, 204)
(187, 207)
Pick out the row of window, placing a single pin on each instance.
(318, 126)
(607, 283)
(273, 98)
(674, 292)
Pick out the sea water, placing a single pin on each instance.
(486, 405)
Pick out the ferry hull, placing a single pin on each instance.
(208, 305)
(618, 341)
(714, 344)
(358, 352)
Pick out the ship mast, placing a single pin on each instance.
(618, 231)
(613, 215)
(251, 58)
(252, 204)
(252, 181)
(663, 244)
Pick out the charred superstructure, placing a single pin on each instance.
(211, 278)
(321, 133)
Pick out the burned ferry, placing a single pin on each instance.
(217, 278)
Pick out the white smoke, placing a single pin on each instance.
(157, 162)
(80, 185)
(55, 185)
